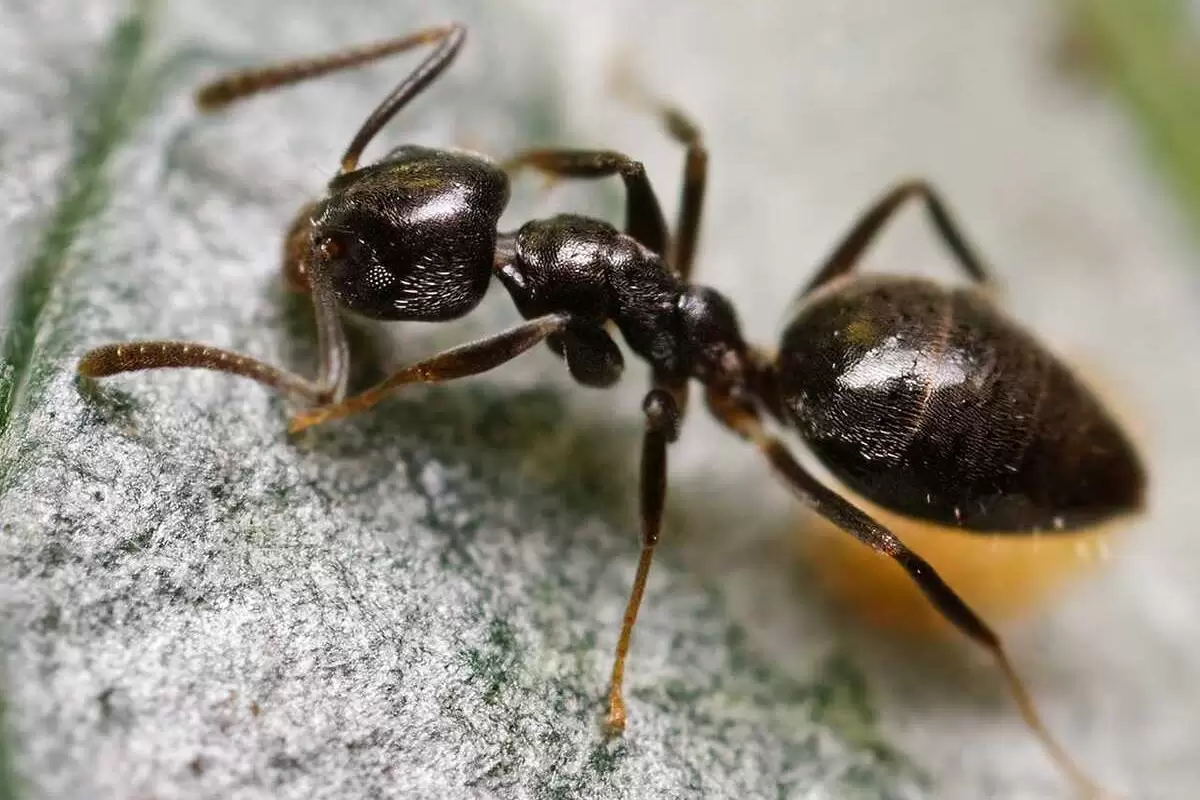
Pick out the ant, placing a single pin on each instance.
(925, 400)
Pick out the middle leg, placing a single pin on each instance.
(683, 129)
(644, 217)
(663, 408)
(643, 214)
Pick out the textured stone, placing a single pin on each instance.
(419, 604)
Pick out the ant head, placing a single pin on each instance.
(412, 237)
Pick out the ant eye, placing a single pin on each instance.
(330, 248)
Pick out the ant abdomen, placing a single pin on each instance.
(932, 403)
(411, 237)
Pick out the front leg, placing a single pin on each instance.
(458, 362)
(333, 373)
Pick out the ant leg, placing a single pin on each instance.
(745, 422)
(663, 409)
(111, 359)
(332, 375)
(643, 215)
(238, 85)
(845, 257)
(684, 130)
(458, 362)
(331, 337)
(691, 199)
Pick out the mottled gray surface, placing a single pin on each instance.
(422, 602)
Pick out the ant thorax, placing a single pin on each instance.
(595, 273)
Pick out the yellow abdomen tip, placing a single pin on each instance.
(1002, 576)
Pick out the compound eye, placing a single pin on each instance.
(354, 273)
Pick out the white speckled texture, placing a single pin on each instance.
(422, 603)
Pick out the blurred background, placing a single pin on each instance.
(1067, 137)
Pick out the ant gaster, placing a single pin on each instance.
(923, 399)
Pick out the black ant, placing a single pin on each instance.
(925, 400)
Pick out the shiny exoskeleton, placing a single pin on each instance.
(931, 403)
(923, 399)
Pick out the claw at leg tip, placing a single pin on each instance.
(615, 722)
